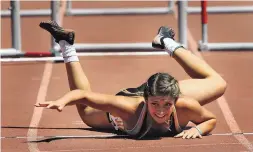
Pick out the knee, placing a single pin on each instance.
(85, 115)
(221, 85)
(89, 116)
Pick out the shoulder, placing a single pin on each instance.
(190, 110)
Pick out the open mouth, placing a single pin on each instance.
(160, 116)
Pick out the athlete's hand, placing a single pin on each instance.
(189, 134)
(58, 104)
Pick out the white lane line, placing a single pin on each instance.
(31, 138)
(37, 112)
(67, 136)
(148, 147)
(234, 127)
(222, 102)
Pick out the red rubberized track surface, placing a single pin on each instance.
(24, 84)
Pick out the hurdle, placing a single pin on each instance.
(130, 11)
(15, 12)
(183, 9)
(221, 9)
(15, 51)
(119, 11)
(83, 47)
(205, 46)
(110, 11)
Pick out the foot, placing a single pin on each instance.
(58, 32)
(163, 32)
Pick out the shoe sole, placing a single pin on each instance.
(161, 46)
(50, 28)
(158, 46)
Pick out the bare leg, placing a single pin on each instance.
(206, 85)
(78, 80)
(76, 76)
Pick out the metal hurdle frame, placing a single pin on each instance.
(15, 31)
(112, 47)
(204, 45)
(109, 11)
(86, 47)
(183, 9)
(15, 51)
(119, 11)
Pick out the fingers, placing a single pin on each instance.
(197, 135)
(119, 123)
(185, 135)
(50, 105)
(188, 134)
(55, 106)
(179, 135)
(43, 104)
(60, 108)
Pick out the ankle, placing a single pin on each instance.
(68, 51)
(171, 45)
(71, 59)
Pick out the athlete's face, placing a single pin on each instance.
(160, 107)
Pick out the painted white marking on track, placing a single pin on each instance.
(37, 112)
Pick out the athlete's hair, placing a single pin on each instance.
(162, 84)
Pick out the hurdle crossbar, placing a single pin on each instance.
(131, 11)
(11, 52)
(28, 13)
(113, 46)
(15, 51)
(222, 9)
(225, 46)
(119, 11)
(89, 54)
(205, 46)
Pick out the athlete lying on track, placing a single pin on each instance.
(162, 106)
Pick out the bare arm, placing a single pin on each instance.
(205, 121)
(117, 105)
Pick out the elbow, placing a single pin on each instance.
(79, 94)
(212, 125)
